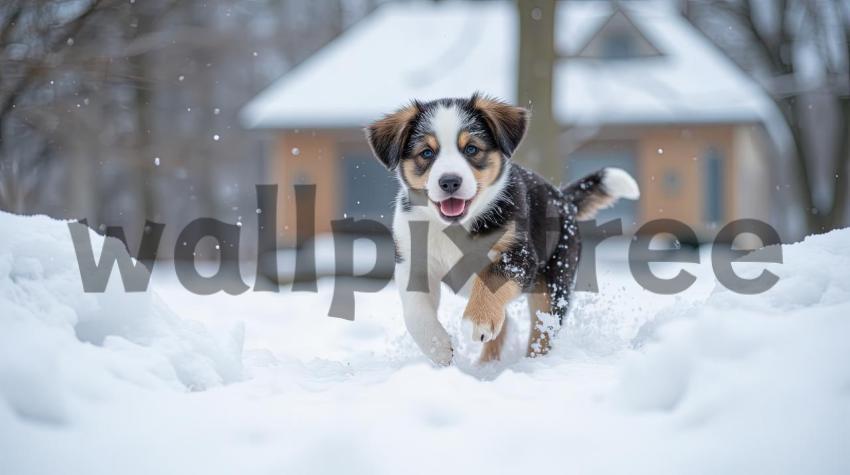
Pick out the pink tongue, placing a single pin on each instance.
(452, 207)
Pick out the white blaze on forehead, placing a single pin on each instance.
(447, 123)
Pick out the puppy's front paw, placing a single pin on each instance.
(440, 351)
(483, 329)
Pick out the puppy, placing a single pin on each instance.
(459, 190)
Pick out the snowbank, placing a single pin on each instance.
(705, 382)
(59, 344)
(761, 381)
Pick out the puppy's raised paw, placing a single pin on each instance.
(482, 330)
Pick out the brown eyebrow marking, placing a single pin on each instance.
(462, 138)
(465, 138)
(431, 141)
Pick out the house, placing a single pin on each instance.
(636, 86)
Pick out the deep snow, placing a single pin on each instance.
(705, 382)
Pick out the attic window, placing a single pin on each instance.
(618, 45)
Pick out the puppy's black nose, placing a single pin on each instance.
(450, 183)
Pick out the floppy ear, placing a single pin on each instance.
(388, 136)
(507, 123)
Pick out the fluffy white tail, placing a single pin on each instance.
(600, 190)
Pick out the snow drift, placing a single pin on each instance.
(705, 382)
(58, 343)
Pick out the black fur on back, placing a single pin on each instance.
(547, 246)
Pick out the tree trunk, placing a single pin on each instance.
(139, 156)
(840, 192)
(534, 87)
(821, 220)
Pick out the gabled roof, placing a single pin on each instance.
(618, 26)
(439, 49)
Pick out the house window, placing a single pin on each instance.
(368, 189)
(714, 187)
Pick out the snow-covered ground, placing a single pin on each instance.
(708, 381)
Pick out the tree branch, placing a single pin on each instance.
(33, 71)
(10, 21)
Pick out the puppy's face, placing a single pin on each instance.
(453, 150)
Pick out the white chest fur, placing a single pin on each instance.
(442, 252)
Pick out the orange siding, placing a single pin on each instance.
(678, 151)
(315, 162)
(682, 150)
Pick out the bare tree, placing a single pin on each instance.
(801, 55)
(33, 36)
(119, 111)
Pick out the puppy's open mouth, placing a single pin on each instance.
(453, 208)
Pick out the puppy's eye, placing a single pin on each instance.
(470, 150)
(427, 154)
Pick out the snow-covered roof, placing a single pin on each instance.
(439, 49)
